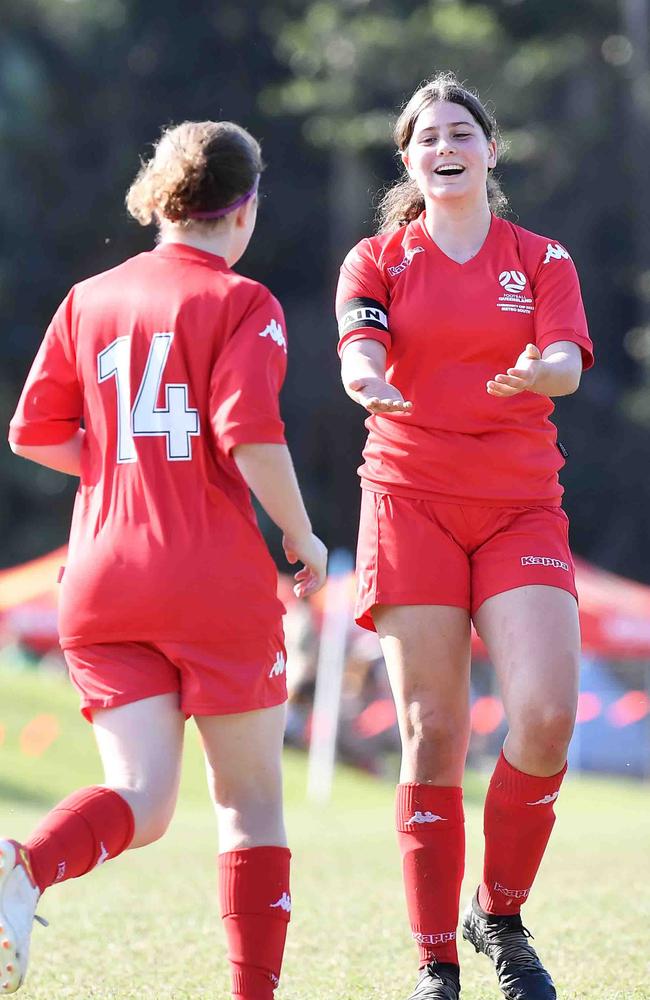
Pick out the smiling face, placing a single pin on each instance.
(449, 155)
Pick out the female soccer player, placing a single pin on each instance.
(157, 384)
(456, 328)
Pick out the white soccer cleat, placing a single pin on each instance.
(18, 899)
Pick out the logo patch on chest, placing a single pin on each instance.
(408, 257)
(516, 295)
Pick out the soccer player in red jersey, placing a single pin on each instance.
(157, 384)
(456, 328)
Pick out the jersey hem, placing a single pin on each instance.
(109, 638)
(414, 494)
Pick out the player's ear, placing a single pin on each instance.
(492, 154)
(406, 161)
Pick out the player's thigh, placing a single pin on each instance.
(141, 745)
(532, 635)
(427, 654)
(243, 754)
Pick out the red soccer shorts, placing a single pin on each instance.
(425, 552)
(219, 679)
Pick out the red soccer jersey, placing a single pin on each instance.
(448, 328)
(170, 359)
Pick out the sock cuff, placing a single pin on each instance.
(90, 803)
(419, 806)
(255, 880)
(520, 787)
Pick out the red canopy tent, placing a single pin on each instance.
(614, 612)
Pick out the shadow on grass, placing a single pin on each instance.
(10, 792)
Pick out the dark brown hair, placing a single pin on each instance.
(404, 201)
(195, 167)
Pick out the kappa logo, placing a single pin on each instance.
(512, 893)
(284, 903)
(544, 561)
(425, 817)
(443, 938)
(278, 667)
(274, 331)
(513, 281)
(103, 856)
(545, 801)
(555, 252)
(408, 257)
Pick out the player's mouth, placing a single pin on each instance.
(450, 170)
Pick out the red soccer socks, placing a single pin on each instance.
(255, 907)
(431, 836)
(518, 820)
(81, 832)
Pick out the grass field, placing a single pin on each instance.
(146, 926)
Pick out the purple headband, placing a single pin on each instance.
(227, 209)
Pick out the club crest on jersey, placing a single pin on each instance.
(555, 252)
(516, 297)
(408, 257)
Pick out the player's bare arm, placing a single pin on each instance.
(63, 457)
(556, 372)
(363, 373)
(268, 471)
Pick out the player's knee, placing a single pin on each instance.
(547, 730)
(151, 819)
(432, 736)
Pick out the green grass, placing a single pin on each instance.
(146, 926)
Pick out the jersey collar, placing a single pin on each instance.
(181, 251)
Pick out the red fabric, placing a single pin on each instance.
(431, 835)
(448, 328)
(164, 544)
(224, 677)
(84, 830)
(423, 552)
(518, 820)
(255, 900)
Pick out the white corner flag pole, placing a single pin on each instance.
(329, 677)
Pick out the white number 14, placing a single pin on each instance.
(177, 421)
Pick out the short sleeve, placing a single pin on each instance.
(247, 378)
(559, 312)
(51, 405)
(362, 299)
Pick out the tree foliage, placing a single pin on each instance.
(84, 87)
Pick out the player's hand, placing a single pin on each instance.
(378, 396)
(523, 376)
(312, 553)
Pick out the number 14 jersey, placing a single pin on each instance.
(170, 360)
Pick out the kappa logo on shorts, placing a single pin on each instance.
(544, 561)
(275, 332)
(516, 297)
(408, 257)
(278, 667)
(555, 252)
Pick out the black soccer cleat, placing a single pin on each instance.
(520, 973)
(438, 981)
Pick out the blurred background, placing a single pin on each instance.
(85, 87)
